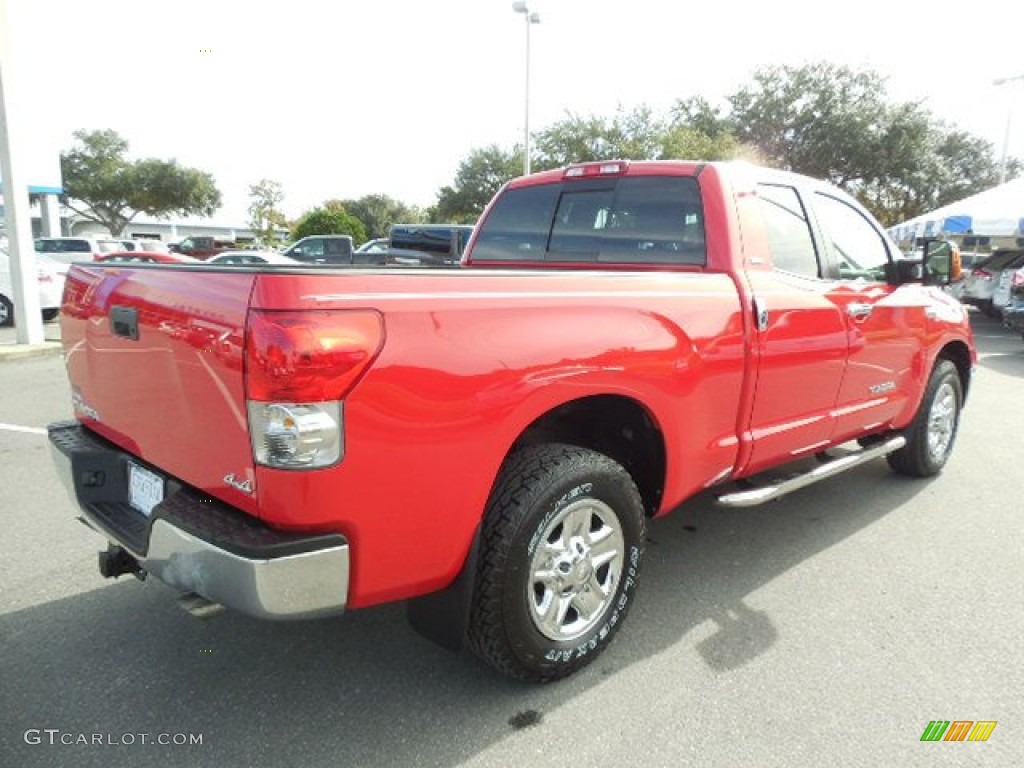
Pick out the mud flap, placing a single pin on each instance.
(443, 616)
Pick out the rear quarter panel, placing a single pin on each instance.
(470, 360)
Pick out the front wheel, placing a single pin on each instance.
(931, 434)
(562, 544)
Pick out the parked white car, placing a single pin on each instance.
(51, 277)
(71, 249)
(149, 246)
(254, 257)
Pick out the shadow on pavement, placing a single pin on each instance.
(364, 689)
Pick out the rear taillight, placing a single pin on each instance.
(1017, 281)
(983, 274)
(299, 366)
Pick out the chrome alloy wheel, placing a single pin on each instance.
(575, 570)
(942, 422)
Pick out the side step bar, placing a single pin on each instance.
(757, 496)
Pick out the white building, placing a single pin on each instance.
(169, 230)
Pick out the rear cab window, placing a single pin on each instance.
(622, 220)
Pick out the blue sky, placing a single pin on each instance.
(343, 99)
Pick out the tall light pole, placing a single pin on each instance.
(531, 17)
(1009, 119)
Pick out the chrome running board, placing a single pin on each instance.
(755, 496)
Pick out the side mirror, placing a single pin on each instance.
(941, 260)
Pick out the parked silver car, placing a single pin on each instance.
(1012, 276)
(980, 286)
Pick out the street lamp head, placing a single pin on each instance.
(1002, 80)
(519, 6)
(534, 18)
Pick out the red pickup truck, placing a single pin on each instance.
(488, 442)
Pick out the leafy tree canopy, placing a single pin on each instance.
(265, 219)
(479, 177)
(332, 220)
(378, 212)
(823, 120)
(833, 123)
(635, 135)
(102, 185)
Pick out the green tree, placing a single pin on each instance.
(102, 185)
(477, 180)
(683, 143)
(696, 113)
(823, 120)
(328, 221)
(635, 135)
(830, 122)
(379, 212)
(265, 219)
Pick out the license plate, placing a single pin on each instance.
(145, 489)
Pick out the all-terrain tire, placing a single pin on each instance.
(562, 542)
(932, 433)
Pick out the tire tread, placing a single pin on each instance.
(525, 475)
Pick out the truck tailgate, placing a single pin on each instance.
(155, 359)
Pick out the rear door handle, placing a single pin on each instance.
(859, 310)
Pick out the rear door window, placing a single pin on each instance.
(788, 230)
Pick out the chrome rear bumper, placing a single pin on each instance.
(197, 544)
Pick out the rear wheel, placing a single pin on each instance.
(931, 434)
(562, 544)
(49, 315)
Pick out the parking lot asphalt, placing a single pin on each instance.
(831, 627)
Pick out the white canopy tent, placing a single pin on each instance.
(997, 212)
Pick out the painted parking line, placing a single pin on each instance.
(17, 428)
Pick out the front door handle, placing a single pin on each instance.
(760, 314)
(859, 310)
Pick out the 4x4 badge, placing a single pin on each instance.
(245, 486)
